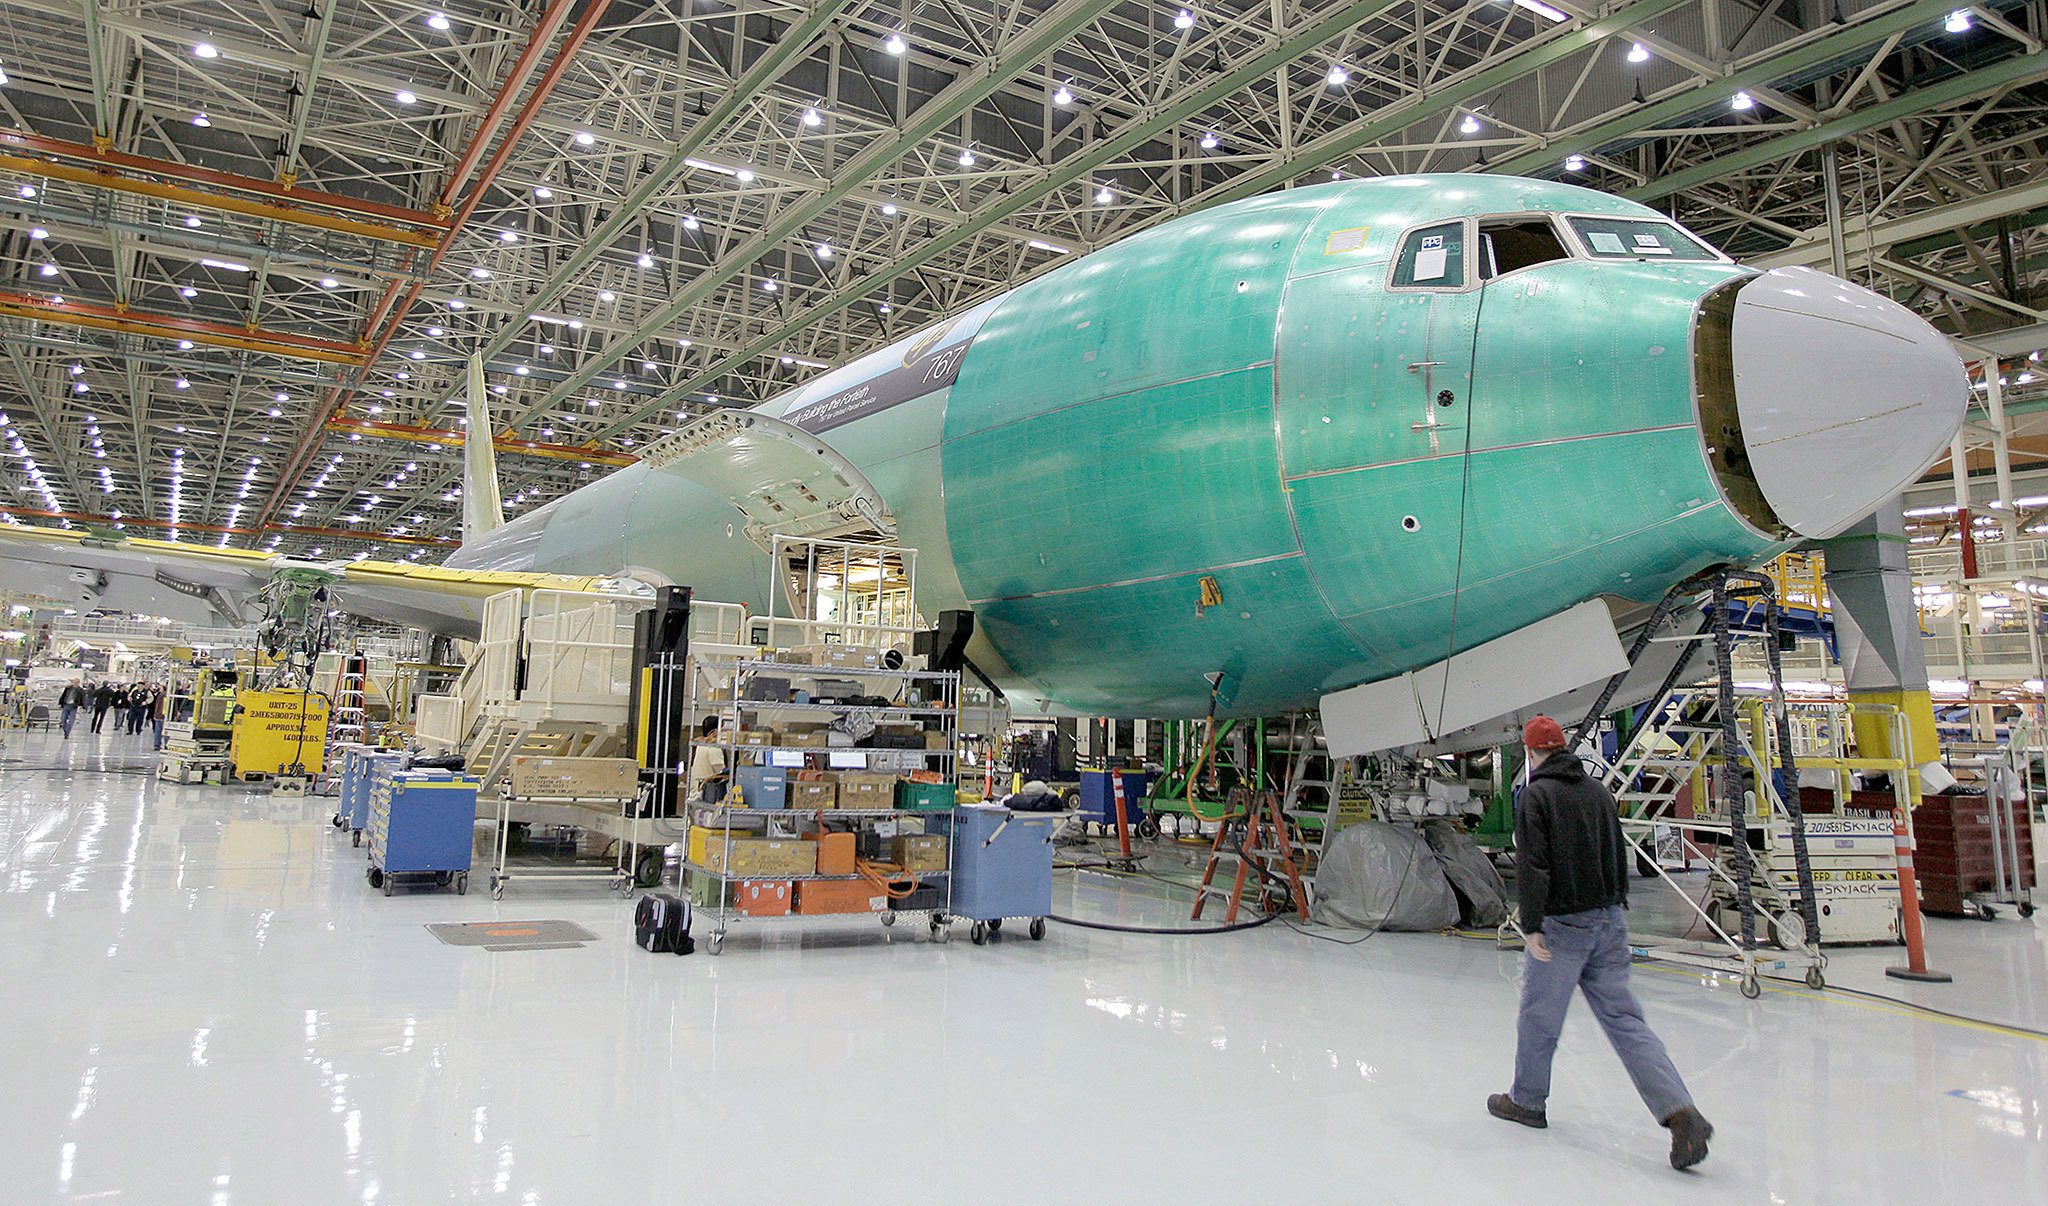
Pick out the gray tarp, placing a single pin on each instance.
(1482, 898)
(1381, 876)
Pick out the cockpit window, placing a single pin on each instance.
(1510, 244)
(1638, 239)
(1432, 258)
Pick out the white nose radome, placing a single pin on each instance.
(1845, 397)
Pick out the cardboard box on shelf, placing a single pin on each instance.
(835, 656)
(867, 790)
(763, 897)
(836, 854)
(814, 793)
(935, 739)
(575, 778)
(754, 737)
(840, 896)
(756, 856)
(919, 853)
(813, 740)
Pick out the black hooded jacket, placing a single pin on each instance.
(1569, 853)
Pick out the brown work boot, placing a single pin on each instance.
(1500, 1105)
(1689, 1135)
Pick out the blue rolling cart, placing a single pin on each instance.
(1098, 798)
(361, 770)
(1002, 865)
(422, 823)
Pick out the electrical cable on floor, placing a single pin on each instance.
(1173, 931)
(1942, 1013)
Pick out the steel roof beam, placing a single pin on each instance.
(1032, 43)
(2012, 72)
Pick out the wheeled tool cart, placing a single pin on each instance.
(422, 823)
(830, 795)
(362, 769)
(1002, 866)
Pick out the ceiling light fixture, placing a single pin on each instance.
(824, 251)
(966, 158)
(1575, 163)
(328, 282)
(585, 138)
(1063, 96)
(1958, 21)
(690, 221)
(1183, 20)
(1338, 77)
(201, 120)
(438, 21)
(813, 118)
(646, 260)
(1469, 126)
(543, 191)
(37, 232)
(206, 50)
(895, 44)
(1210, 141)
(405, 96)
(1542, 10)
(1742, 102)
(188, 292)
(1637, 53)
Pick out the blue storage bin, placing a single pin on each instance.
(1098, 800)
(762, 787)
(1002, 861)
(360, 776)
(423, 821)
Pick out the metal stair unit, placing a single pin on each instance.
(1647, 777)
(1311, 803)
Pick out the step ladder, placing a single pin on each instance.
(1267, 849)
(349, 719)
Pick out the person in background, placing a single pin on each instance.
(69, 700)
(102, 698)
(1571, 864)
(159, 707)
(138, 706)
(707, 763)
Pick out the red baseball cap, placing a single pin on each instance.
(1543, 733)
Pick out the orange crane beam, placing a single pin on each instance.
(214, 529)
(291, 200)
(160, 326)
(590, 454)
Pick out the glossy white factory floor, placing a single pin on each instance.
(202, 1002)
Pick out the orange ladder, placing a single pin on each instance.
(1267, 849)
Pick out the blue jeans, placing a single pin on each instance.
(69, 713)
(1589, 951)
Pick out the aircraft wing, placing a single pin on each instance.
(117, 572)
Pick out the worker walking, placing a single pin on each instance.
(102, 699)
(1571, 865)
(69, 700)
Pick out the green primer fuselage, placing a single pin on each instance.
(1374, 479)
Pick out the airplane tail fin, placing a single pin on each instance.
(482, 507)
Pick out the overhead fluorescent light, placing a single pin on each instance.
(1042, 245)
(225, 265)
(1542, 10)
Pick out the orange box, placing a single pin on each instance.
(762, 897)
(835, 854)
(840, 896)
